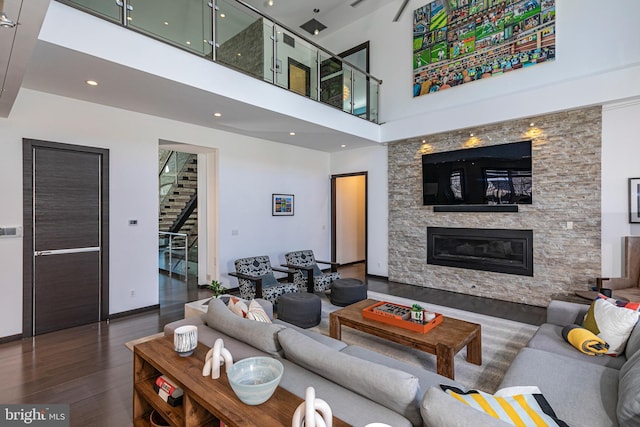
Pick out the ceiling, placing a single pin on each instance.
(42, 66)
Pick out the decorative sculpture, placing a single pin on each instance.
(215, 357)
(312, 412)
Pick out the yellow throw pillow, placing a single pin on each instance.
(585, 340)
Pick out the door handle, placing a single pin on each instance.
(67, 251)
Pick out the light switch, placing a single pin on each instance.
(11, 231)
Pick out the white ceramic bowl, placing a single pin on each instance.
(255, 379)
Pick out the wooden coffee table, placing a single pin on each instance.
(445, 340)
(206, 401)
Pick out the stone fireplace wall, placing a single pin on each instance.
(564, 216)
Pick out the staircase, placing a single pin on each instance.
(178, 188)
(178, 211)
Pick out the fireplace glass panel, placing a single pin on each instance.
(502, 251)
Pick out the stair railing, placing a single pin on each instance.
(171, 249)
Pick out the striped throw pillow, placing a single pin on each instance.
(257, 313)
(519, 406)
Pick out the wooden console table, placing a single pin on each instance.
(206, 401)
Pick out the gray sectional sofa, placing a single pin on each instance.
(363, 387)
(360, 386)
(583, 390)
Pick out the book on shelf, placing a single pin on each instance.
(168, 391)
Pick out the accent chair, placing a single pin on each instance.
(309, 277)
(256, 279)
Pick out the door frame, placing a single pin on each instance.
(27, 220)
(365, 47)
(334, 251)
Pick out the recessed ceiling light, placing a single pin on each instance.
(166, 23)
(292, 133)
(188, 42)
(222, 15)
(343, 145)
(217, 114)
(92, 83)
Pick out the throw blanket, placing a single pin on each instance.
(584, 340)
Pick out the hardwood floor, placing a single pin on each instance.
(89, 368)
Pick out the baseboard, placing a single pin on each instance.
(132, 312)
(375, 276)
(10, 338)
(348, 264)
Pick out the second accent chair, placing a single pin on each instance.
(309, 277)
(256, 279)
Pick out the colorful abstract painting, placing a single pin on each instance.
(461, 41)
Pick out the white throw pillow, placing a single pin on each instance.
(238, 306)
(611, 323)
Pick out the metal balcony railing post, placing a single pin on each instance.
(274, 42)
(319, 80)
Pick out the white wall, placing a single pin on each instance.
(578, 77)
(350, 219)
(591, 68)
(374, 161)
(249, 170)
(620, 154)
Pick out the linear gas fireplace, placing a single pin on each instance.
(501, 251)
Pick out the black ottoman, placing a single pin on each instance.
(300, 308)
(347, 291)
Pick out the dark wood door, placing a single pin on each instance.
(67, 236)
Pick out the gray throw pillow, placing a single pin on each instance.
(628, 409)
(268, 280)
(263, 336)
(391, 388)
(316, 270)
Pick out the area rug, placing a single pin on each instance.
(501, 341)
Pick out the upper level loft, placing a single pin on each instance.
(234, 34)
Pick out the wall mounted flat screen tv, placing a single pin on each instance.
(494, 175)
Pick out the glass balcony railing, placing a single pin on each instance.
(173, 254)
(233, 33)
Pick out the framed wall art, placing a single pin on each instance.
(459, 41)
(634, 194)
(282, 204)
